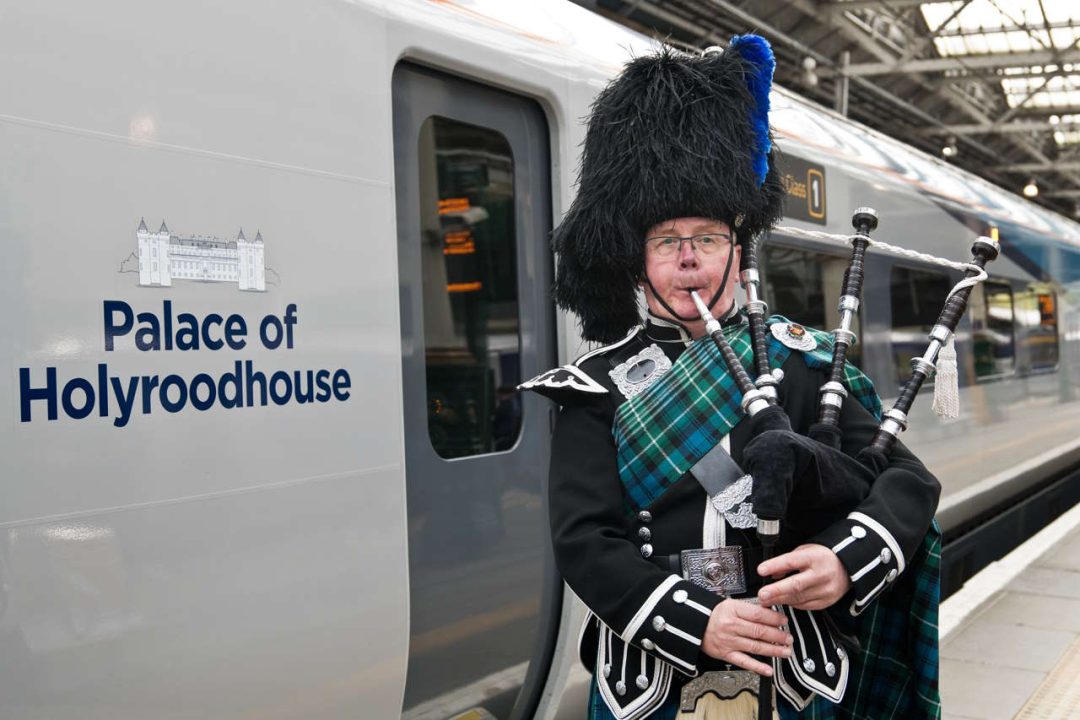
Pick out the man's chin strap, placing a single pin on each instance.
(712, 301)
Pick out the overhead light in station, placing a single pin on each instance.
(809, 78)
(1031, 189)
(950, 149)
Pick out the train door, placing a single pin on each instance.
(474, 213)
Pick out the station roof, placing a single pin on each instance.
(993, 86)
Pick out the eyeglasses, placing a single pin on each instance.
(704, 245)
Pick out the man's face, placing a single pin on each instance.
(674, 269)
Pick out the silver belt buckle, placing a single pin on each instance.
(725, 683)
(719, 570)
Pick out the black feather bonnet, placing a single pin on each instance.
(672, 136)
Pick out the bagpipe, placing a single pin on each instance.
(802, 484)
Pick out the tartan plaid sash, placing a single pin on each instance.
(662, 432)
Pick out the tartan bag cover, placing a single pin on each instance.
(662, 432)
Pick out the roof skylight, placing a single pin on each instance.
(1003, 27)
(1001, 24)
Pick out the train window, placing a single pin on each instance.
(805, 286)
(1037, 330)
(916, 297)
(992, 319)
(469, 268)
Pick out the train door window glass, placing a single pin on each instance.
(992, 325)
(1037, 329)
(916, 297)
(805, 286)
(469, 268)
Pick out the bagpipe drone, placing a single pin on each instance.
(806, 482)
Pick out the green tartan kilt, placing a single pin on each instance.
(896, 673)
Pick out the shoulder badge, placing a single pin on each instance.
(794, 336)
(640, 371)
(566, 377)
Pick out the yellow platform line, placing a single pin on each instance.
(1058, 698)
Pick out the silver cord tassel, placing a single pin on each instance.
(947, 383)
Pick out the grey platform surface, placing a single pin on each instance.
(997, 659)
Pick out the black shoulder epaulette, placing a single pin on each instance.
(565, 382)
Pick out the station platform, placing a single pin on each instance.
(1010, 637)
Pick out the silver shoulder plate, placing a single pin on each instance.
(640, 371)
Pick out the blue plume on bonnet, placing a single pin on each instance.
(758, 53)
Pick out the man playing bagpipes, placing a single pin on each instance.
(657, 468)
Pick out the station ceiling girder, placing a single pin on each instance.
(1041, 167)
(961, 33)
(1018, 126)
(969, 62)
(842, 5)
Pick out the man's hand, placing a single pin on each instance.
(738, 629)
(819, 578)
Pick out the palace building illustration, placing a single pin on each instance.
(164, 257)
